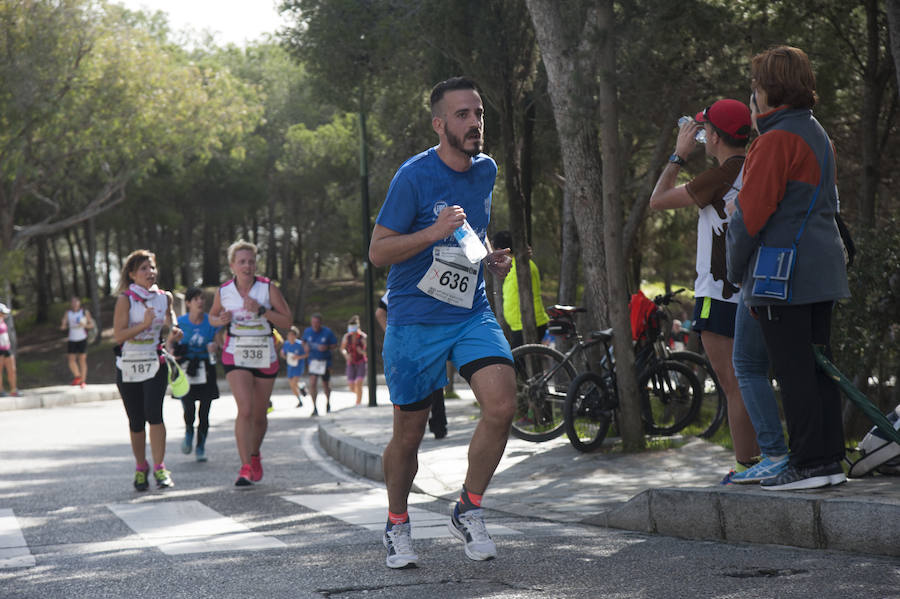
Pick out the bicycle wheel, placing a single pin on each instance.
(542, 378)
(588, 411)
(714, 408)
(670, 397)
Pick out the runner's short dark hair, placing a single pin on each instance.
(449, 85)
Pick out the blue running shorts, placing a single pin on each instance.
(415, 355)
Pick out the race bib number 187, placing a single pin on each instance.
(139, 366)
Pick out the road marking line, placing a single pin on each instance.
(369, 510)
(179, 527)
(14, 552)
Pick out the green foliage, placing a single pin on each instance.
(866, 332)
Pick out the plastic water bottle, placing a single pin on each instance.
(700, 138)
(467, 239)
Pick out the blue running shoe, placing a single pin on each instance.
(765, 468)
(726, 480)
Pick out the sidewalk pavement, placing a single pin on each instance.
(673, 492)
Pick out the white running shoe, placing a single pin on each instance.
(470, 529)
(398, 542)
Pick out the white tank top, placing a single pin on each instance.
(243, 322)
(711, 230)
(77, 332)
(147, 339)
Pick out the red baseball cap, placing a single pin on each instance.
(731, 116)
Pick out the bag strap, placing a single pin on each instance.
(815, 194)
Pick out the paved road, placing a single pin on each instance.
(71, 526)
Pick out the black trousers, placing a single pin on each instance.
(811, 400)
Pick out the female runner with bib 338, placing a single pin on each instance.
(249, 306)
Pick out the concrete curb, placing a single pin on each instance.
(765, 517)
(359, 456)
(824, 519)
(51, 397)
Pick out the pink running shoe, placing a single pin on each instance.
(243, 479)
(256, 469)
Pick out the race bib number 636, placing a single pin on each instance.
(451, 278)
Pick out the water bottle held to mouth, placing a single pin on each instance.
(700, 137)
(470, 243)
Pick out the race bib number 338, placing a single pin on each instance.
(252, 352)
(451, 278)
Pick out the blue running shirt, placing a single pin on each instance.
(421, 188)
(196, 336)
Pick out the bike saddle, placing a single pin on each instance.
(605, 334)
(560, 310)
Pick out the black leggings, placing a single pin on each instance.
(144, 400)
(203, 424)
(811, 399)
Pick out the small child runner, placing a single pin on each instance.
(295, 352)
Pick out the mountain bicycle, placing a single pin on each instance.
(543, 377)
(714, 408)
(670, 396)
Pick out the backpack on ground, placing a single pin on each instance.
(878, 451)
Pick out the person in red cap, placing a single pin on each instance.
(726, 124)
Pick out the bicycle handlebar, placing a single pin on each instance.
(665, 300)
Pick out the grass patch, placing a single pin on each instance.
(33, 373)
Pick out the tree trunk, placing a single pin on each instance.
(120, 249)
(272, 251)
(525, 154)
(893, 15)
(74, 259)
(186, 273)
(517, 222)
(107, 280)
(210, 254)
(42, 282)
(93, 291)
(57, 262)
(568, 268)
(570, 62)
(82, 246)
(570, 59)
(629, 402)
(871, 102)
(287, 267)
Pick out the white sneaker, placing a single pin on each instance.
(398, 542)
(470, 529)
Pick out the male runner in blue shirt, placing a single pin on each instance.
(439, 312)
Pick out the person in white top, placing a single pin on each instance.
(142, 315)
(713, 192)
(248, 305)
(7, 355)
(77, 320)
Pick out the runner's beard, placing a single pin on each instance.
(459, 143)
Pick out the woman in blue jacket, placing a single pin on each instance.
(789, 199)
